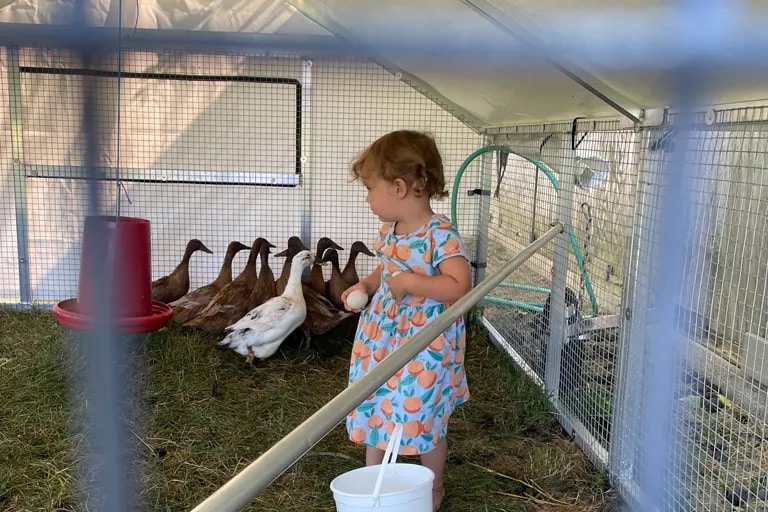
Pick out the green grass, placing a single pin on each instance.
(203, 416)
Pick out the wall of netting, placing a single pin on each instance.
(234, 146)
(601, 375)
(217, 147)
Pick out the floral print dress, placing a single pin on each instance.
(423, 394)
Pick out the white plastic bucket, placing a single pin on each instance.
(385, 487)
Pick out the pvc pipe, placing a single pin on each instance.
(243, 487)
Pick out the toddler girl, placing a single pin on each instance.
(423, 269)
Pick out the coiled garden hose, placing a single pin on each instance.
(555, 184)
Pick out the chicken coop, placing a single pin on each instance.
(641, 127)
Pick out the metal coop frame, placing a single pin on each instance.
(645, 319)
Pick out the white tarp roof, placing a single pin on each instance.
(501, 91)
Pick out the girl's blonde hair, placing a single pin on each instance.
(410, 155)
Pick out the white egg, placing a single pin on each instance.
(357, 299)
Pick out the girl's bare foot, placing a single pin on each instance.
(437, 497)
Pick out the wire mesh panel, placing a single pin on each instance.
(722, 313)
(717, 459)
(222, 147)
(606, 178)
(207, 146)
(354, 103)
(525, 202)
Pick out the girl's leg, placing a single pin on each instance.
(373, 456)
(435, 460)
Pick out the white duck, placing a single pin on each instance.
(261, 331)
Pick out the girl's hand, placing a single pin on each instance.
(400, 284)
(358, 286)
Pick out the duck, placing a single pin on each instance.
(265, 287)
(295, 245)
(322, 315)
(176, 284)
(230, 303)
(191, 304)
(262, 330)
(336, 285)
(316, 279)
(349, 274)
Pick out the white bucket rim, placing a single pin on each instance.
(370, 469)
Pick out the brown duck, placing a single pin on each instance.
(176, 284)
(265, 287)
(231, 302)
(322, 315)
(336, 285)
(294, 246)
(349, 274)
(316, 278)
(191, 304)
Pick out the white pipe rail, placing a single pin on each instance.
(234, 495)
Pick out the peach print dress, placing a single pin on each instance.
(424, 393)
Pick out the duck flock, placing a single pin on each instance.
(256, 311)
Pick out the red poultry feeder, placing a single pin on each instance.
(129, 270)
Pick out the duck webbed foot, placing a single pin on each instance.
(307, 335)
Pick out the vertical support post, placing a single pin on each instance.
(483, 214)
(19, 178)
(303, 152)
(558, 315)
(635, 304)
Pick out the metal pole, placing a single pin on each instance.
(243, 487)
(558, 315)
(19, 176)
(304, 153)
(484, 215)
(636, 300)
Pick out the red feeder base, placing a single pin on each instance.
(127, 246)
(68, 316)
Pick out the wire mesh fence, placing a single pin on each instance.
(606, 366)
(718, 451)
(205, 146)
(605, 170)
(222, 147)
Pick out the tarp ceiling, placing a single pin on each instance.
(509, 84)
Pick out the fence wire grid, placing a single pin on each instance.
(223, 147)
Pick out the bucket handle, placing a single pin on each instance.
(393, 448)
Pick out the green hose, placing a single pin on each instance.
(526, 287)
(580, 259)
(495, 147)
(518, 304)
(555, 184)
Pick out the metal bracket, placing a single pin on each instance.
(478, 192)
